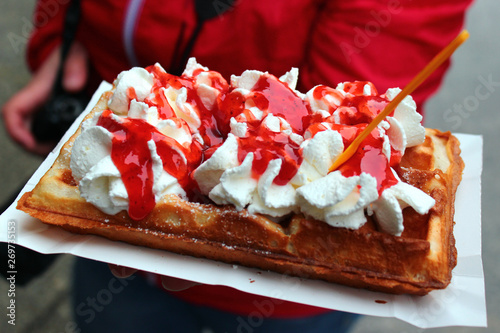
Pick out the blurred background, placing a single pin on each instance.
(44, 305)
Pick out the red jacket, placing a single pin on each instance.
(383, 41)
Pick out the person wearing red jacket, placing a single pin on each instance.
(386, 42)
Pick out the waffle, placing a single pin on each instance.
(418, 261)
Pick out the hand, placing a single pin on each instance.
(169, 283)
(20, 108)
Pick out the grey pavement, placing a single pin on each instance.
(44, 305)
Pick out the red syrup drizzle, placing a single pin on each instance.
(266, 146)
(277, 98)
(369, 158)
(355, 112)
(208, 130)
(270, 96)
(230, 104)
(360, 109)
(325, 92)
(357, 88)
(132, 157)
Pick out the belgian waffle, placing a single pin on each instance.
(418, 261)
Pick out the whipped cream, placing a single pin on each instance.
(135, 82)
(408, 119)
(388, 208)
(339, 201)
(295, 176)
(100, 181)
(226, 181)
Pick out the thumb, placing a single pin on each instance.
(76, 68)
(121, 271)
(176, 284)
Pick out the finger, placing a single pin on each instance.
(17, 113)
(76, 68)
(175, 284)
(121, 271)
(43, 149)
(15, 126)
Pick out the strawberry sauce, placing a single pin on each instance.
(277, 98)
(266, 146)
(369, 158)
(132, 156)
(209, 130)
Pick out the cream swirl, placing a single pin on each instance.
(275, 160)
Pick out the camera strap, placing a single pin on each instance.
(205, 10)
(58, 113)
(70, 27)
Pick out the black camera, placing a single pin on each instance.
(56, 116)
